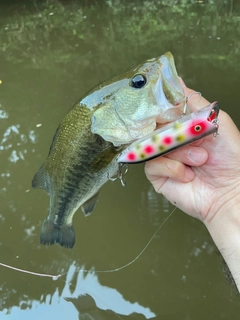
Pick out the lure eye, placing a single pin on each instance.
(138, 81)
(198, 128)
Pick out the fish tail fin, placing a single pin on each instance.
(51, 233)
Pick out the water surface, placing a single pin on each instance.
(51, 54)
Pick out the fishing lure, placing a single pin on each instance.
(174, 135)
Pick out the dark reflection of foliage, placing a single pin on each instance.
(61, 31)
(88, 309)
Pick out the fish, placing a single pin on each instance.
(179, 133)
(84, 149)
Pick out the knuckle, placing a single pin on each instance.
(171, 166)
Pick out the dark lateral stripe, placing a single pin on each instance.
(81, 166)
(69, 192)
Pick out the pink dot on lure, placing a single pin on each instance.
(167, 140)
(131, 156)
(149, 149)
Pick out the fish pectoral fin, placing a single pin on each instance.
(39, 180)
(89, 205)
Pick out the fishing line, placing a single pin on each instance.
(56, 277)
(140, 253)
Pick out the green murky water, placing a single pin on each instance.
(50, 55)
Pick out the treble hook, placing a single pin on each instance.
(195, 92)
(120, 174)
(184, 108)
(187, 99)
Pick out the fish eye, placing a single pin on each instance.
(138, 81)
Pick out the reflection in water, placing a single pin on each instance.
(9, 138)
(3, 114)
(88, 309)
(150, 200)
(91, 300)
(102, 297)
(50, 55)
(13, 138)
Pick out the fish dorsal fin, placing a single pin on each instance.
(89, 205)
(39, 180)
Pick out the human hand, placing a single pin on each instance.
(202, 177)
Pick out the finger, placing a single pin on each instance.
(168, 168)
(190, 155)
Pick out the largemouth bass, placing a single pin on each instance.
(84, 150)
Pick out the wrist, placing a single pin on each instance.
(224, 227)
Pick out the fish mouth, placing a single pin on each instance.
(170, 96)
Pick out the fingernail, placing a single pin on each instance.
(197, 155)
